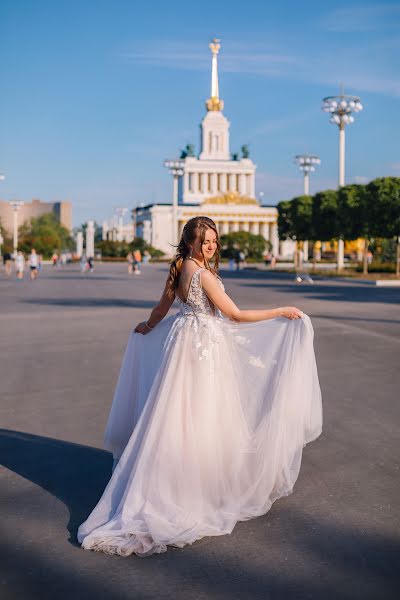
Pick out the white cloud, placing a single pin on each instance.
(368, 70)
(360, 179)
(192, 56)
(364, 18)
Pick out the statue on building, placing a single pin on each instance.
(187, 151)
(245, 151)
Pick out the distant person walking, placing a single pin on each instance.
(7, 263)
(20, 265)
(239, 259)
(33, 264)
(54, 259)
(83, 263)
(130, 259)
(137, 259)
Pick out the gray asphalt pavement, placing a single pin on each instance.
(336, 537)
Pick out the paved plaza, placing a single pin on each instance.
(336, 537)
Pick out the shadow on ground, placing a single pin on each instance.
(340, 562)
(93, 302)
(337, 293)
(75, 474)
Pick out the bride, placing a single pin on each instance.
(211, 412)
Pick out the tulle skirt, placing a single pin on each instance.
(208, 424)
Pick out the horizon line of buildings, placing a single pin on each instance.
(32, 210)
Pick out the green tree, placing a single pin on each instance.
(98, 231)
(354, 216)
(7, 245)
(252, 245)
(286, 227)
(301, 217)
(352, 212)
(121, 249)
(45, 234)
(325, 224)
(383, 196)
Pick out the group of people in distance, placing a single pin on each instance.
(34, 263)
(134, 259)
(62, 259)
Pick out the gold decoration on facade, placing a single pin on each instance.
(230, 198)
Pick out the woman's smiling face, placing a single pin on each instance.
(209, 245)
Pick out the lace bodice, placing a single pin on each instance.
(197, 302)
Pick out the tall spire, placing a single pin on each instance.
(214, 103)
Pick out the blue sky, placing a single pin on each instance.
(96, 94)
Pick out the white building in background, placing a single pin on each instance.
(213, 184)
(115, 230)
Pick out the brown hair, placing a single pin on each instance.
(193, 228)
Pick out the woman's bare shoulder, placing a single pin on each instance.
(208, 276)
(188, 268)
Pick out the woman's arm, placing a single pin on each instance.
(157, 314)
(226, 305)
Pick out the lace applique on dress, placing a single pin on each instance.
(206, 330)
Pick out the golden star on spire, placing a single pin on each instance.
(214, 103)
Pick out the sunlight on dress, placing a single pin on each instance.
(207, 426)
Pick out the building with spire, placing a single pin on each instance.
(215, 184)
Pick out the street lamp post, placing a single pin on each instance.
(16, 205)
(176, 169)
(341, 109)
(307, 163)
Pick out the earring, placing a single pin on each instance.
(191, 252)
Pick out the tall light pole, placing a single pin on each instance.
(176, 169)
(16, 205)
(341, 109)
(307, 163)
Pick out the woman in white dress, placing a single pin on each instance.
(210, 415)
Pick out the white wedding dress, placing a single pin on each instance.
(209, 421)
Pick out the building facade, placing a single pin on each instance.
(114, 230)
(213, 184)
(30, 210)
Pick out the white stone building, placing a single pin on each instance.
(115, 230)
(213, 184)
